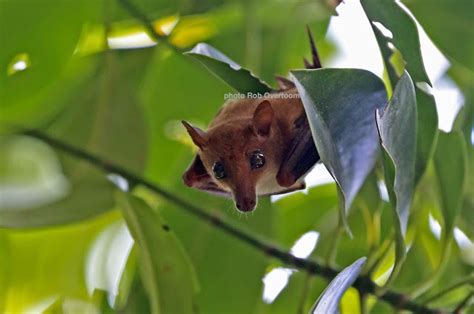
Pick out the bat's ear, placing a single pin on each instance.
(197, 135)
(263, 117)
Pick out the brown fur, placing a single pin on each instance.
(241, 127)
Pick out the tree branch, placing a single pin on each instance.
(149, 28)
(364, 284)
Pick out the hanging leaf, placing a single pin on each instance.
(406, 40)
(404, 31)
(450, 164)
(340, 105)
(397, 130)
(166, 271)
(242, 80)
(329, 300)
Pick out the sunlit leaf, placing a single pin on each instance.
(41, 64)
(328, 302)
(59, 256)
(445, 23)
(168, 277)
(242, 80)
(450, 163)
(405, 34)
(340, 105)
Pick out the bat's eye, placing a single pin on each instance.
(218, 170)
(257, 160)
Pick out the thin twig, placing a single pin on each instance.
(463, 303)
(364, 284)
(149, 28)
(468, 280)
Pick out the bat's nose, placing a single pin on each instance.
(246, 204)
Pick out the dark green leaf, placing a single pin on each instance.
(450, 162)
(397, 130)
(328, 302)
(242, 80)
(166, 271)
(404, 31)
(426, 131)
(340, 105)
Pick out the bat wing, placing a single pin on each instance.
(300, 156)
(197, 177)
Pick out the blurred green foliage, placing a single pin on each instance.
(64, 244)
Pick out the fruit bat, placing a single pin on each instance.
(255, 147)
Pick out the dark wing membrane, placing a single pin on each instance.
(197, 177)
(300, 156)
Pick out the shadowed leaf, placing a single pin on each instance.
(340, 105)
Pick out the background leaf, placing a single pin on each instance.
(328, 302)
(242, 80)
(445, 22)
(347, 143)
(450, 163)
(166, 272)
(405, 35)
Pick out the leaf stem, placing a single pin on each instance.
(149, 28)
(468, 280)
(363, 283)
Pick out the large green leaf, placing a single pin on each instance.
(39, 54)
(58, 271)
(450, 162)
(446, 23)
(404, 31)
(427, 118)
(166, 271)
(397, 130)
(340, 105)
(103, 116)
(328, 302)
(242, 80)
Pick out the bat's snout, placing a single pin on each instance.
(245, 204)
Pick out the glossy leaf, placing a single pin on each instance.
(397, 131)
(404, 31)
(166, 271)
(328, 302)
(450, 162)
(340, 105)
(445, 22)
(427, 118)
(242, 80)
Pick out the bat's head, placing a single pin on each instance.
(239, 157)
